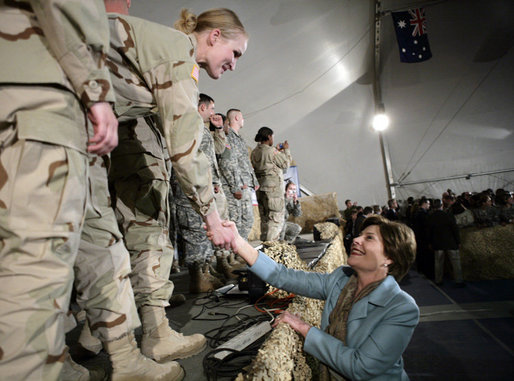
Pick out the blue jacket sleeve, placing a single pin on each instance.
(309, 284)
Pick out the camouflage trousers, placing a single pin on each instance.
(102, 266)
(272, 213)
(43, 191)
(240, 211)
(139, 182)
(290, 231)
(195, 247)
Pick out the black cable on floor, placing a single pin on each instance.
(231, 326)
(218, 336)
(232, 364)
(212, 301)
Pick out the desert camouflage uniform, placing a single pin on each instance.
(159, 77)
(43, 171)
(269, 165)
(236, 172)
(139, 178)
(102, 266)
(196, 245)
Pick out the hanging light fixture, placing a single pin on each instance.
(380, 120)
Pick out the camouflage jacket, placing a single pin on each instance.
(61, 44)
(269, 165)
(235, 167)
(207, 147)
(292, 208)
(220, 141)
(154, 71)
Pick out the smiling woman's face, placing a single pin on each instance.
(367, 252)
(223, 55)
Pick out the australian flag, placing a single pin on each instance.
(411, 32)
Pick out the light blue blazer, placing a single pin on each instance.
(379, 328)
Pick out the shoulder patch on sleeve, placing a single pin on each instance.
(195, 73)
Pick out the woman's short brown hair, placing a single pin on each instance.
(399, 244)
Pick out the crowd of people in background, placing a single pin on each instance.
(436, 223)
(74, 218)
(480, 209)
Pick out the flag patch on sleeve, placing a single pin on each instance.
(195, 73)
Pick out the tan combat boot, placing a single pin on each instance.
(128, 364)
(210, 267)
(71, 371)
(201, 280)
(221, 256)
(229, 264)
(161, 343)
(236, 260)
(88, 341)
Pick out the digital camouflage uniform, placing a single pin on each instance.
(269, 165)
(43, 171)
(208, 147)
(196, 246)
(236, 171)
(159, 77)
(219, 141)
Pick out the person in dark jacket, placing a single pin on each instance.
(392, 214)
(443, 236)
(419, 218)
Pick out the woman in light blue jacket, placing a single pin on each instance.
(367, 320)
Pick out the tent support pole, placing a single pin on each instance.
(377, 92)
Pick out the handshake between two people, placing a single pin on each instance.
(224, 234)
(246, 251)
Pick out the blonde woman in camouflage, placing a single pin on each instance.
(155, 72)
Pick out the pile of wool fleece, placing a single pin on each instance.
(281, 357)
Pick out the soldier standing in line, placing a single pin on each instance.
(52, 80)
(197, 249)
(269, 164)
(104, 290)
(238, 177)
(155, 71)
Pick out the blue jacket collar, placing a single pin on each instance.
(380, 297)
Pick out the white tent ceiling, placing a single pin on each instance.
(306, 74)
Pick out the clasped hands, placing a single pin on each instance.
(224, 235)
(249, 254)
